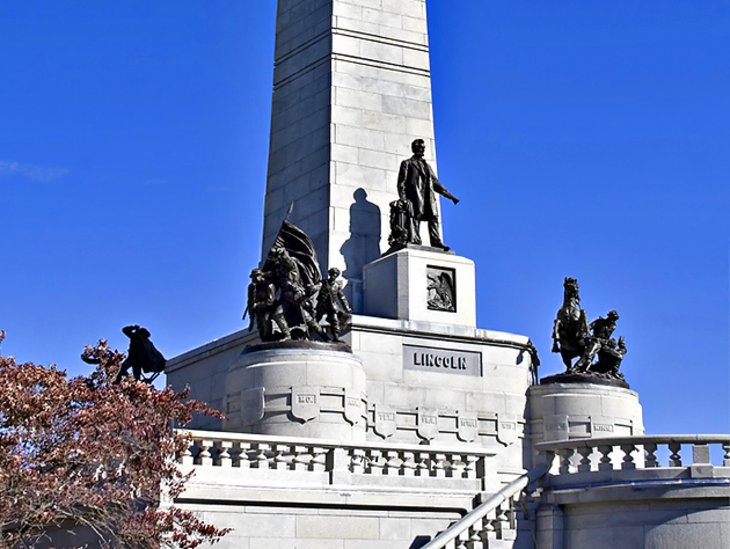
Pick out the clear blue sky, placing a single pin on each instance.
(589, 139)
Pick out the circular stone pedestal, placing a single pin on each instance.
(559, 411)
(293, 388)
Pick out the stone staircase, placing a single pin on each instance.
(493, 523)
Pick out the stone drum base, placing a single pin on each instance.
(561, 411)
(297, 389)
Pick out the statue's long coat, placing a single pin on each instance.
(418, 184)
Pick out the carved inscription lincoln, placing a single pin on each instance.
(431, 359)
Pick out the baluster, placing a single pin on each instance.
(279, 461)
(585, 459)
(605, 461)
(509, 527)
(458, 466)
(565, 455)
(357, 461)
(439, 467)
(423, 465)
(726, 454)
(205, 459)
(235, 452)
(675, 459)
(319, 459)
(449, 465)
(245, 455)
(409, 464)
(470, 466)
(262, 455)
(186, 456)
(501, 522)
(301, 459)
(224, 455)
(489, 531)
(650, 459)
(392, 463)
(377, 463)
(462, 539)
(475, 537)
(628, 459)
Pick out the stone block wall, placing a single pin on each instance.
(282, 527)
(639, 523)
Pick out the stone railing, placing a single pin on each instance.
(333, 462)
(492, 521)
(620, 453)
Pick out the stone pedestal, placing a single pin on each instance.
(560, 411)
(301, 389)
(421, 284)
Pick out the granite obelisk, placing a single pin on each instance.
(352, 89)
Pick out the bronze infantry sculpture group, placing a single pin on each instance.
(599, 354)
(287, 297)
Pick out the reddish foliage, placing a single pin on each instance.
(90, 453)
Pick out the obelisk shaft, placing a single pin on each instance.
(352, 89)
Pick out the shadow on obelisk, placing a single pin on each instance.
(362, 247)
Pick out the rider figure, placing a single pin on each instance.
(601, 331)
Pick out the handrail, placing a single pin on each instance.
(479, 512)
(640, 439)
(333, 443)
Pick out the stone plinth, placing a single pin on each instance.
(560, 411)
(408, 285)
(299, 389)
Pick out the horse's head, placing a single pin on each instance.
(570, 287)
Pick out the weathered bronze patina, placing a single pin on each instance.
(287, 297)
(599, 354)
(418, 188)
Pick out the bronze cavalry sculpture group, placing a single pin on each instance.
(574, 337)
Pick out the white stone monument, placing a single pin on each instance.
(420, 417)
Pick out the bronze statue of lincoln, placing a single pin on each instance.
(417, 189)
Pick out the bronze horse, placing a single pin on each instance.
(570, 329)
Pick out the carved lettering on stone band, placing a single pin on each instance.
(506, 430)
(555, 427)
(305, 403)
(353, 405)
(384, 424)
(450, 361)
(427, 423)
(467, 426)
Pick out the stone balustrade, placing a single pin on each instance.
(657, 452)
(253, 459)
(658, 491)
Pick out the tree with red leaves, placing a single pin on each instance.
(88, 456)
